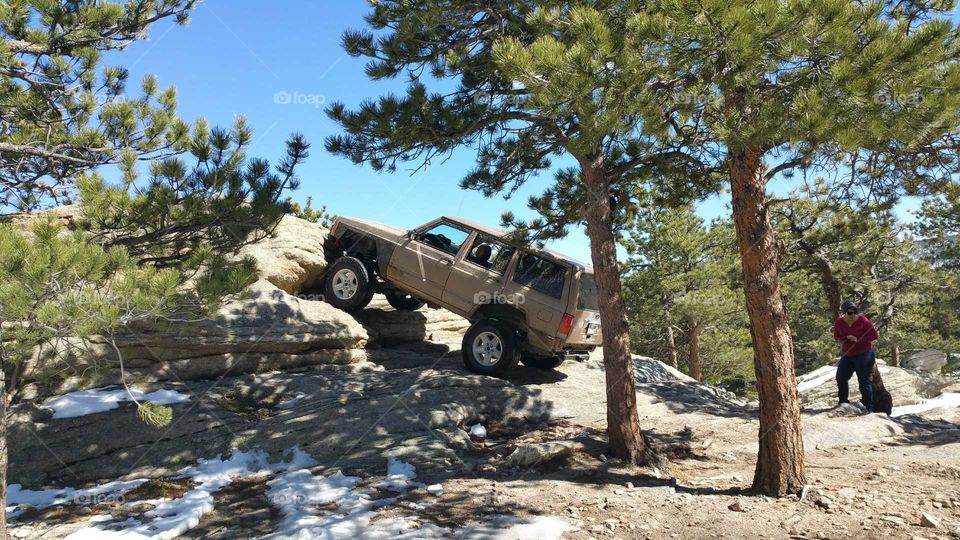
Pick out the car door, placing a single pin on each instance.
(478, 276)
(539, 284)
(424, 260)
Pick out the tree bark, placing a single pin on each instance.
(623, 424)
(693, 342)
(780, 459)
(668, 334)
(831, 285)
(3, 450)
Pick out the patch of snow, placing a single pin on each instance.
(478, 431)
(171, 518)
(292, 402)
(515, 528)
(946, 399)
(17, 495)
(399, 476)
(297, 493)
(299, 488)
(84, 402)
(815, 378)
(302, 499)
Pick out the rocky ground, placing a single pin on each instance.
(349, 394)
(870, 476)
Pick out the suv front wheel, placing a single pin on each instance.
(348, 285)
(490, 347)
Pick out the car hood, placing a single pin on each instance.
(388, 232)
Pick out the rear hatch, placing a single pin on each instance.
(585, 331)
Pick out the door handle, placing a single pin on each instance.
(446, 261)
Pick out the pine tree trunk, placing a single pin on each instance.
(831, 286)
(623, 424)
(668, 334)
(3, 451)
(780, 466)
(693, 342)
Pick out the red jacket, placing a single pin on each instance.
(863, 330)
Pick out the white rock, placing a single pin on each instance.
(928, 520)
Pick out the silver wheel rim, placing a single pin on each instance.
(345, 284)
(487, 348)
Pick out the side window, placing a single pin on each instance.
(490, 253)
(444, 237)
(540, 274)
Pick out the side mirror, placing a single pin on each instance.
(410, 234)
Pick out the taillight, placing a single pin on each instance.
(333, 230)
(566, 324)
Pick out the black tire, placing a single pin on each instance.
(504, 352)
(542, 362)
(402, 301)
(347, 284)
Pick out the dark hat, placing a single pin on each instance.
(847, 306)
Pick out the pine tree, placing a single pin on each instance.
(796, 85)
(681, 268)
(71, 114)
(939, 228)
(532, 83)
(143, 251)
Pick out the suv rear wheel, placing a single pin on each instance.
(402, 301)
(348, 285)
(490, 347)
(542, 362)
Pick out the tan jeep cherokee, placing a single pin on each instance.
(524, 303)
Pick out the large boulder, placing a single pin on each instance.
(388, 326)
(929, 360)
(292, 256)
(818, 389)
(69, 216)
(267, 330)
(831, 430)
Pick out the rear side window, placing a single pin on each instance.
(588, 293)
(540, 275)
(444, 237)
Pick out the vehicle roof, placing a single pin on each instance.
(502, 234)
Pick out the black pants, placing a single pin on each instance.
(862, 365)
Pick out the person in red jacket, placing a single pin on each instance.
(857, 337)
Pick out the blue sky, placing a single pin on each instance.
(279, 64)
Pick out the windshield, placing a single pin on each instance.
(588, 293)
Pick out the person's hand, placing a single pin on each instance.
(853, 338)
